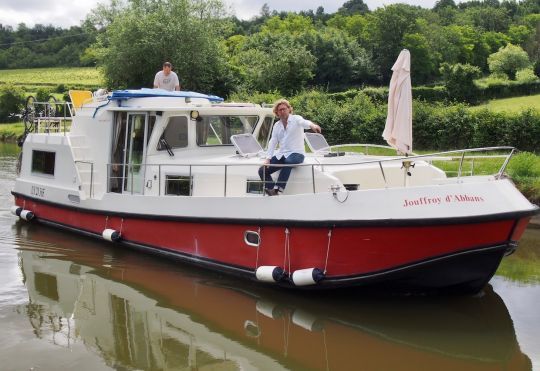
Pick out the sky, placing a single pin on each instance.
(66, 13)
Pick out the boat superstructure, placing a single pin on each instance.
(176, 174)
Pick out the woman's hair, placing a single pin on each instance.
(279, 103)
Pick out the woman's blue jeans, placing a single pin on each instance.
(266, 171)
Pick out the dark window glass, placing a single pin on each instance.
(217, 130)
(178, 185)
(264, 132)
(43, 162)
(254, 186)
(175, 134)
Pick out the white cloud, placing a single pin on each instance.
(66, 13)
(60, 13)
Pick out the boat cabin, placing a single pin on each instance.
(187, 144)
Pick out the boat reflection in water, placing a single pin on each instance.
(139, 312)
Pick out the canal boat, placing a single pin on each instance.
(176, 174)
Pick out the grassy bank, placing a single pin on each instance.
(10, 132)
(32, 78)
(512, 105)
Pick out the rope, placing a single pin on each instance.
(341, 201)
(121, 226)
(325, 350)
(106, 221)
(328, 249)
(286, 328)
(258, 247)
(287, 250)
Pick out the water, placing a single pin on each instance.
(68, 302)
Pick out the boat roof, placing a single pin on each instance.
(148, 93)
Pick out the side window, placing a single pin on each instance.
(43, 162)
(217, 130)
(178, 185)
(264, 132)
(175, 134)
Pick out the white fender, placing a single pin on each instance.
(111, 235)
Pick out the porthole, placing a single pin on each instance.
(252, 238)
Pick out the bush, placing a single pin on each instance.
(42, 95)
(11, 102)
(431, 93)
(255, 97)
(495, 87)
(353, 117)
(343, 120)
(440, 126)
(459, 81)
(524, 165)
(60, 89)
(526, 75)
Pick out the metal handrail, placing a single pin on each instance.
(378, 161)
(46, 115)
(91, 193)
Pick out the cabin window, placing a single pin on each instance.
(254, 186)
(43, 162)
(175, 134)
(264, 132)
(178, 185)
(217, 130)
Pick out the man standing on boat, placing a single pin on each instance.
(288, 132)
(167, 79)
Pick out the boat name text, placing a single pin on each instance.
(421, 201)
(37, 191)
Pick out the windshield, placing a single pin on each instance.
(217, 130)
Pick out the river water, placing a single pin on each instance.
(69, 302)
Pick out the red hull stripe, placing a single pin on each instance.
(352, 251)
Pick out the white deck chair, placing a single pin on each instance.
(246, 145)
(317, 142)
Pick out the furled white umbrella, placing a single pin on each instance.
(398, 129)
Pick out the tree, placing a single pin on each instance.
(459, 81)
(508, 60)
(185, 32)
(386, 28)
(423, 64)
(351, 7)
(441, 4)
(487, 18)
(275, 62)
(11, 99)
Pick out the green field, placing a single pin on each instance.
(68, 76)
(514, 105)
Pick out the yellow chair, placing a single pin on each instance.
(79, 98)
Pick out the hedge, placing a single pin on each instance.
(506, 89)
(439, 126)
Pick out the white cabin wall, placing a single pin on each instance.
(97, 134)
(65, 174)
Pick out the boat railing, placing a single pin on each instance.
(86, 167)
(141, 178)
(50, 117)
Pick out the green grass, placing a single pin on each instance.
(513, 105)
(10, 132)
(68, 76)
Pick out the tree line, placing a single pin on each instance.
(287, 52)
